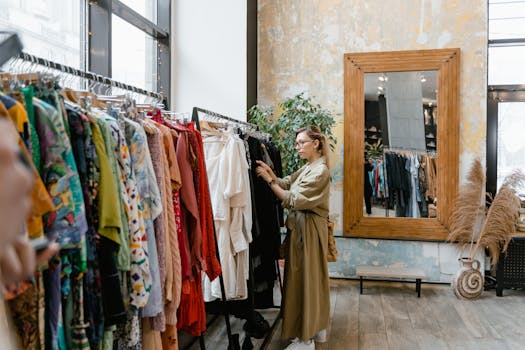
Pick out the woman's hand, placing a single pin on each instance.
(16, 183)
(265, 172)
(19, 260)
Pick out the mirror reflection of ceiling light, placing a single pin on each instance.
(422, 78)
(380, 88)
(383, 77)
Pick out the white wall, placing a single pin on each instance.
(209, 56)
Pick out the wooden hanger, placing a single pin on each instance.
(76, 95)
(28, 78)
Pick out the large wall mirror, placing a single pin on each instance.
(401, 143)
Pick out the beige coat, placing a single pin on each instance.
(306, 302)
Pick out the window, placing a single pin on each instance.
(506, 19)
(506, 92)
(145, 8)
(506, 65)
(511, 147)
(135, 35)
(133, 61)
(51, 29)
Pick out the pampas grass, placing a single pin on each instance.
(491, 229)
(469, 208)
(501, 219)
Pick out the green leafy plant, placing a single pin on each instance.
(295, 112)
(374, 150)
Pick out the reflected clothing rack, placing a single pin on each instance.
(408, 150)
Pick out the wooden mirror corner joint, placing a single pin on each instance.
(446, 63)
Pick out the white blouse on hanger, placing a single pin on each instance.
(227, 170)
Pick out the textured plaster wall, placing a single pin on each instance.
(301, 47)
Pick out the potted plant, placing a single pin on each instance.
(293, 113)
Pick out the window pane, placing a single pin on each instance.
(506, 19)
(51, 29)
(146, 8)
(511, 143)
(506, 65)
(134, 61)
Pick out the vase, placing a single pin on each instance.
(468, 281)
(521, 220)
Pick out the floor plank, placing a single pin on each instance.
(344, 326)
(389, 316)
(397, 321)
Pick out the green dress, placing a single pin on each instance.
(306, 302)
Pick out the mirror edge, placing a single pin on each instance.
(446, 62)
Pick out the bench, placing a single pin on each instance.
(390, 272)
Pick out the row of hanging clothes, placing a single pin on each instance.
(123, 188)
(405, 181)
(247, 217)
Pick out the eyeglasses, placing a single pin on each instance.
(300, 144)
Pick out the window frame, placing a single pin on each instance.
(100, 34)
(496, 94)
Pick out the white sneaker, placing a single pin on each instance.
(320, 337)
(296, 344)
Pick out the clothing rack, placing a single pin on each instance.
(233, 339)
(195, 119)
(407, 150)
(87, 75)
(10, 46)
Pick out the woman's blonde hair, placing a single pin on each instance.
(315, 134)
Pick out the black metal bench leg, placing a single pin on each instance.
(418, 287)
(499, 276)
(361, 285)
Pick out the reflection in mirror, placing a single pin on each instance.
(400, 144)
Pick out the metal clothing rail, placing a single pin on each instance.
(195, 117)
(233, 339)
(10, 46)
(88, 75)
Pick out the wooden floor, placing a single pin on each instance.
(390, 316)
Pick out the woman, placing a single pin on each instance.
(305, 194)
(18, 259)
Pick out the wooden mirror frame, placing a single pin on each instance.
(446, 62)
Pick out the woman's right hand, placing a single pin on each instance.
(267, 169)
